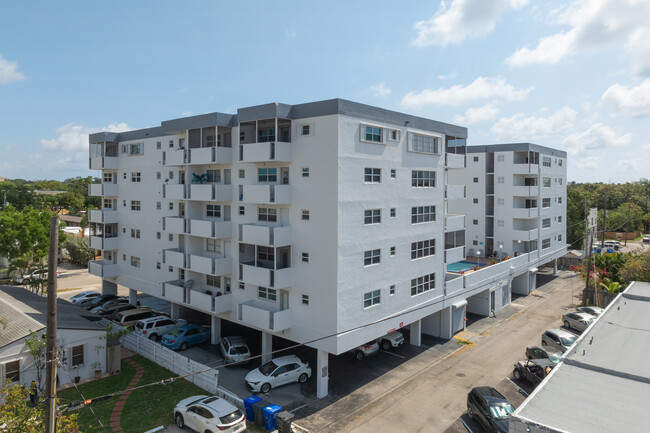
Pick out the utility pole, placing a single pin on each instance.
(591, 223)
(627, 221)
(50, 386)
(602, 240)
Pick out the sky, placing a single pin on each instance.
(572, 75)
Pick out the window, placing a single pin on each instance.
(242, 210)
(305, 257)
(305, 215)
(546, 202)
(170, 269)
(393, 173)
(124, 257)
(423, 143)
(500, 179)
(136, 149)
(475, 222)
(171, 174)
(266, 293)
(476, 180)
(77, 355)
(267, 174)
(475, 201)
(213, 210)
(157, 235)
(546, 182)
(213, 281)
(559, 200)
(305, 130)
(559, 219)
(423, 284)
(559, 162)
(392, 251)
(371, 257)
(394, 135)
(108, 203)
(391, 289)
(265, 254)
(171, 143)
(476, 159)
(157, 265)
(305, 172)
(158, 175)
(372, 175)
(12, 371)
(559, 237)
(213, 245)
(423, 214)
(158, 145)
(500, 201)
(242, 286)
(135, 261)
(305, 299)
(559, 181)
(372, 216)
(242, 135)
(546, 161)
(267, 214)
(135, 205)
(242, 173)
(546, 243)
(423, 179)
(474, 242)
(501, 158)
(373, 134)
(135, 233)
(136, 177)
(500, 223)
(108, 177)
(546, 223)
(266, 135)
(123, 229)
(423, 249)
(371, 298)
(392, 212)
(214, 175)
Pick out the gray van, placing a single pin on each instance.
(130, 317)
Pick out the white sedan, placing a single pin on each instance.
(202, 414)
(80, 297)
(280, 371)
(578, 321)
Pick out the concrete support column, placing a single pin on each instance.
(416, 333)
(267, 347)
(133, 297)
(322, 374)
(175, 310)
(216, 330)
(445, 323)
(554, 266)
(109, 288)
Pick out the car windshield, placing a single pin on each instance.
(239, 350)
(501, 410)
(177, 332)
(568, 341)
(554, 357)
(268, 368)
(231, 417)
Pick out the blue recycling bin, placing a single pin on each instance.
(248, 405)
(270, 424)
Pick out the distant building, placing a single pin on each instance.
(70, 220)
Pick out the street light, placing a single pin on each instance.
(478, 254)
(501, 252)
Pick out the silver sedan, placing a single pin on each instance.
(577, 320)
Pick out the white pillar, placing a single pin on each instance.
(267, 347)
(445, 323)
(133, 297)
(109, 288)
(554, 266)
(216, 330)
(322, 374)
(416, 333)
(175, 310)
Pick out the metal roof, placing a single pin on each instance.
(602, 384)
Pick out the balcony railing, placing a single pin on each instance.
(275, 278)
(174, 157)
(525, 168)
(525, 191)
(525, 213)
(454, 223)
(271, 321)
(266, 152)
(104, 216)
(175, 191)
(266, 194)
(103, 269)
(455, 192)
(104, 163)
(454, 161)
(211, 229)
(210, 266)
(453, 255)
(210, 192)
(525, 235)
(103, 189)
(210, 155)
(266, 236)
(174, 257)
(101, 243)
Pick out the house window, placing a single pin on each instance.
(157, 235)
(108, 177)
(423, 284)
(158, 205)
(158, 145)
(305, 129)
(392, 251)
(546, 182)
(476, 180)
(392, 212)
(371, 257)
(158, 175)
(559, 219)
(157, 265)
(500, 223)
(170, 269)
(213, 210)
(475, 222)
(305, 172)
(214, 176)
(423, 143)
(559, 200)
(135, 205)
(423, 179)
(242, 210)
(500, 179)
(211, 141)
(423, 249)
(500, 201)
(559, 237)
(391, 289)
(423, 214)
(266, 293)
(135, 261)
(546, 202)
(372, 175)
(546, 243)
(77, 355)
(559, 180)
(136, 177)
(136, 149)
(501, 158)
(171, 174)
(213, 281)
(213, 245)
(108, 203)
(474, 242)
(546, 162)
(394, 135)
(171, 143)
(171, 205)
(305, 299)
(373, 134)
(475, 201)
(242, 173)
(124, 257)
(546, 223)
(267, 174)
(12, 371)
(393, 173)
(265, 254)
(135, 233)
(267, 214)
(305, 257)
(372, 216)
(476, 159)
(266, 135)
(371, 298)
(305, 215)
(242, 135)
(559, 162)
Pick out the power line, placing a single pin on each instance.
(82, 396)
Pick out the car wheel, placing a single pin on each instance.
(303, 378)
(359, 355)
(386, 344)
(566, 324)
(180, 422)
(208, 431)
(183, 346)
(265, 388)
(153, 337)
(544, 343)
(516, 374)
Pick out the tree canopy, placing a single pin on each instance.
(25, 233)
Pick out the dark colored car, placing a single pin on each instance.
(109, 313)
(533, 370)
(487, 407)
(543, 352)
(95, 302)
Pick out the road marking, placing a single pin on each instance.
(466, 426)
(298, 408)
(394, 354)
(519, 387)
(470, 332)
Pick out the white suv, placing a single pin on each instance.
(392, 339)
(155, 327)
(234, 349)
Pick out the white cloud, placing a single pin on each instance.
(9, 72)
(637, 161)
(638, 49)
(481, 88)
(520, 127)
(290, 33)
(633, 101)
(589, 163)
(592, 24)
(446, 77)
(74, 138)
(475, 115)
(460, 20)
(186, 113)
(598, 136)
(380, 90)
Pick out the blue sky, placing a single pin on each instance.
(573, 75)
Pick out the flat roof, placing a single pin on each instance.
(516, 147)
(602, 384)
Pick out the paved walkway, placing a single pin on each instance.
(121, 401)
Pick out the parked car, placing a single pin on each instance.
(533, 370)
(489, 408)
(36, 275)
(543, 352)
(392, 339)
(129, 318)
(93, 302)
(558, 338)
(594, 311)
(279, 371)
(155, 327)
(80, 297)
(185, 336)
(110, 304)
(577, 320)
(234, 349)
(110, 313)
(646, 239)
(209, 414)
(365, 350)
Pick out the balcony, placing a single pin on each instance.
(210, 266)
(525, 191)
(256, 315)
(210, 192)
(525, 213)
(104, 163)
(266, 194)
(174, 258)
(102, 269)
(175, 225)
(209, 303)
(211, 229)
(264, 277)
(174, 292)
(210, 155)
(266, 152)
(266, 236)
(103, 216)
(525, 235)
(102, 243)
(103, 189)
(453, 255)
(455, 192)
(454, 161)
(174, 191)
(454, 223)
(525, 168)
(174, 157)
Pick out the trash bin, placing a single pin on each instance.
(283, 419)
(269, 412)
(258, 408)
(248, 405)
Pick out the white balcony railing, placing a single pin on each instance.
(266, 236)
(174, 157)
(101, 243)
(104, 163)
(525, 191)
(266, 194)
(210, 192)
(175, 225)
(209, 155)
(453, 255)
(266, 152)
(104, 216)
(526, 235)
(102, 269)
(454, 161)
(525, 168)
(454, 223)
(455, 192)
(174, 258)
(277, 279)
(258, 317)
(525, 213)
(175, 191)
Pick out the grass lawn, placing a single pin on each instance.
(145, 408)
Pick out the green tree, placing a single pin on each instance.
(80, 252)
(25, 233)
(636, 268)
(36, 348)
(17, 195)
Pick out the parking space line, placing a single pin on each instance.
(518, 387)
(298, 408)
(394, 354)
(466, 426)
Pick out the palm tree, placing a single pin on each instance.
(610, 286)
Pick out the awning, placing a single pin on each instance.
(459, 305)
